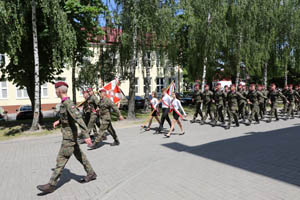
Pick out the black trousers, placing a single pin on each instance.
(164, 116)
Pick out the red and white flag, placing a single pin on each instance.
(113, 91)
(172, 88)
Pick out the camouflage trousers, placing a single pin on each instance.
(233, 113)
(105, 127)
(198, 110)
(261, 109)
(64, 154)
(285, 107)
(254, 112)
(274, 111)
(208, 110)
(290, 109)
(242, 110)
(90, 121)
(219, 113)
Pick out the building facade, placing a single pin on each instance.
(12, 97)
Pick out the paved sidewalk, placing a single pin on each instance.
(256, 162)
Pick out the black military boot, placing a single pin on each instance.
(227, 127)
(47, 188)
(115, 143)
(88, 178)
(202, 122)
(193, 120)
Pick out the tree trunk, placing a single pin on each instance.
(238, 64)
(178, 80)
(147, 63)
(266, 74)
(204, 75)
(35, 122)
(131, 101)
(74, 80)
(285, 75)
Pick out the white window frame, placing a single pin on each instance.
(3, 88)
(160, 85)
(136, 85)
(44, 86)
(23, 93)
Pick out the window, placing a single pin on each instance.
(3, 89)
(150, 84)
(172, 79)
(136, 83)
(22, 93)
(159, 84)
(44, 90)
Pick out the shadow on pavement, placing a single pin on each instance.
(275, 154)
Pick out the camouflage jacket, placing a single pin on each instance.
(285, 93)
(261, 97)
(90, 105)
(219, 97)
(273, 95)
(207, 97)
(197, 96)
(292, 96)
(232, 99)
(242, 99)
(105, 106)
(69, 115)
(255, 97)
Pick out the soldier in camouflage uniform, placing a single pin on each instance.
(197, 100)
(92, 103)
(265, 93)
(291, 96)
(242, 103)
(297, 100)
(69, 115)
(273, 96)
(261, 101)
(226, 91)
(285, 104)
(253, 100)
(207, 97)
(105, 106)
(219, 98)
(232, 99)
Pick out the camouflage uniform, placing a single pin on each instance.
(291, 97)
(297, 101)
(273, 95)
(69, 115)
(232, 99)
(253, 97)
(90, 107)
(261, 103)
(198, 101)
(265, 93)
(105, 105)
(207, 97)
(219, 98)
(285, 103)
(242, 103)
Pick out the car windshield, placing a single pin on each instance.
(25, 108)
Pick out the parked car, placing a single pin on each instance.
(25, 112)
(3, 114)
(139, 103)
(186, 99)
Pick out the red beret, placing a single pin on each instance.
(90, 89)
(102, 90)
(197, 84)
(218, 84)
(61, 83)
(252, 84)
(85, 91)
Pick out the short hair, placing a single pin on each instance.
(63, 89)
(154, 94)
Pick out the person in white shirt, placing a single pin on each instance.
(176, 107)
(155, 113)
(166, 103)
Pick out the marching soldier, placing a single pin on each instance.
(197, 100)
(232, 99)
(273, 96)
(291, 96)
(92, 103)
(207, 97)
(226, 91)
(285, 92)
(219, 98)
(69, 115)
(261, 101)
(253, 97)
(297, 102)
(242, 103)
(105, 106)
(265, 92)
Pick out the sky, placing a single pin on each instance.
(111, 6)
